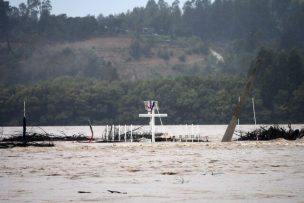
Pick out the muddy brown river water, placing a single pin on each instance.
(270, 171)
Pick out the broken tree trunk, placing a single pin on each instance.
(236, 113)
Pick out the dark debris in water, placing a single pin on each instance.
(169, 173)
(83, 192)
(5, 145)
(271, 133)
(37, 140)
(116, 192)
(35, 137)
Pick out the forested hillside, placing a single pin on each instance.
(193, 59)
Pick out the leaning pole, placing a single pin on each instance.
(236, 113)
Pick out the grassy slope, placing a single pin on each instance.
(115, 52)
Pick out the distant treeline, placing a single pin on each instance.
(280, 21)
(239, 27)
(199, 100)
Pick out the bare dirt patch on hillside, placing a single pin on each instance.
(115, 51)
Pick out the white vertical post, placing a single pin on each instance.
(253, 108)
(239, 118)
(253, 112)
(192, 132)
(113, 133)
(197, 133)
(150, 107)
(24, 124)
(119, 133)
(131, 133)
(186, 132)
(153, 125)
(107, 131)
(125, 133)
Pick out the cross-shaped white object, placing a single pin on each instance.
(151, 114)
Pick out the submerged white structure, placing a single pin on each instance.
(150, 106)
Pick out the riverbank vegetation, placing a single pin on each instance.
(192, 59)
(203, 100)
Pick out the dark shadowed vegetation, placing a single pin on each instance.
(207, 100)
(69, 69)
(271, 133)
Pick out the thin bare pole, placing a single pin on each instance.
(239, 118)
(253, 108)
(131, 133)
(119, 133)
(125, 133)
(24, 124)
(255, 123)
(113, 133)
(92, 132)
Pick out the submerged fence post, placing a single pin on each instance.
(119, 133)
(125, 133)
(253, 108)
(197, 134)
(113, 133)
(238, 117)
(192, 133)
(131, 133)
(107, 133)
(24, 124)
(187, 132)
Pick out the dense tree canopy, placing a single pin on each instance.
(81, 84)
(221, 20)
(203, 100)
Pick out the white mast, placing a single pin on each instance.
(150, 107)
